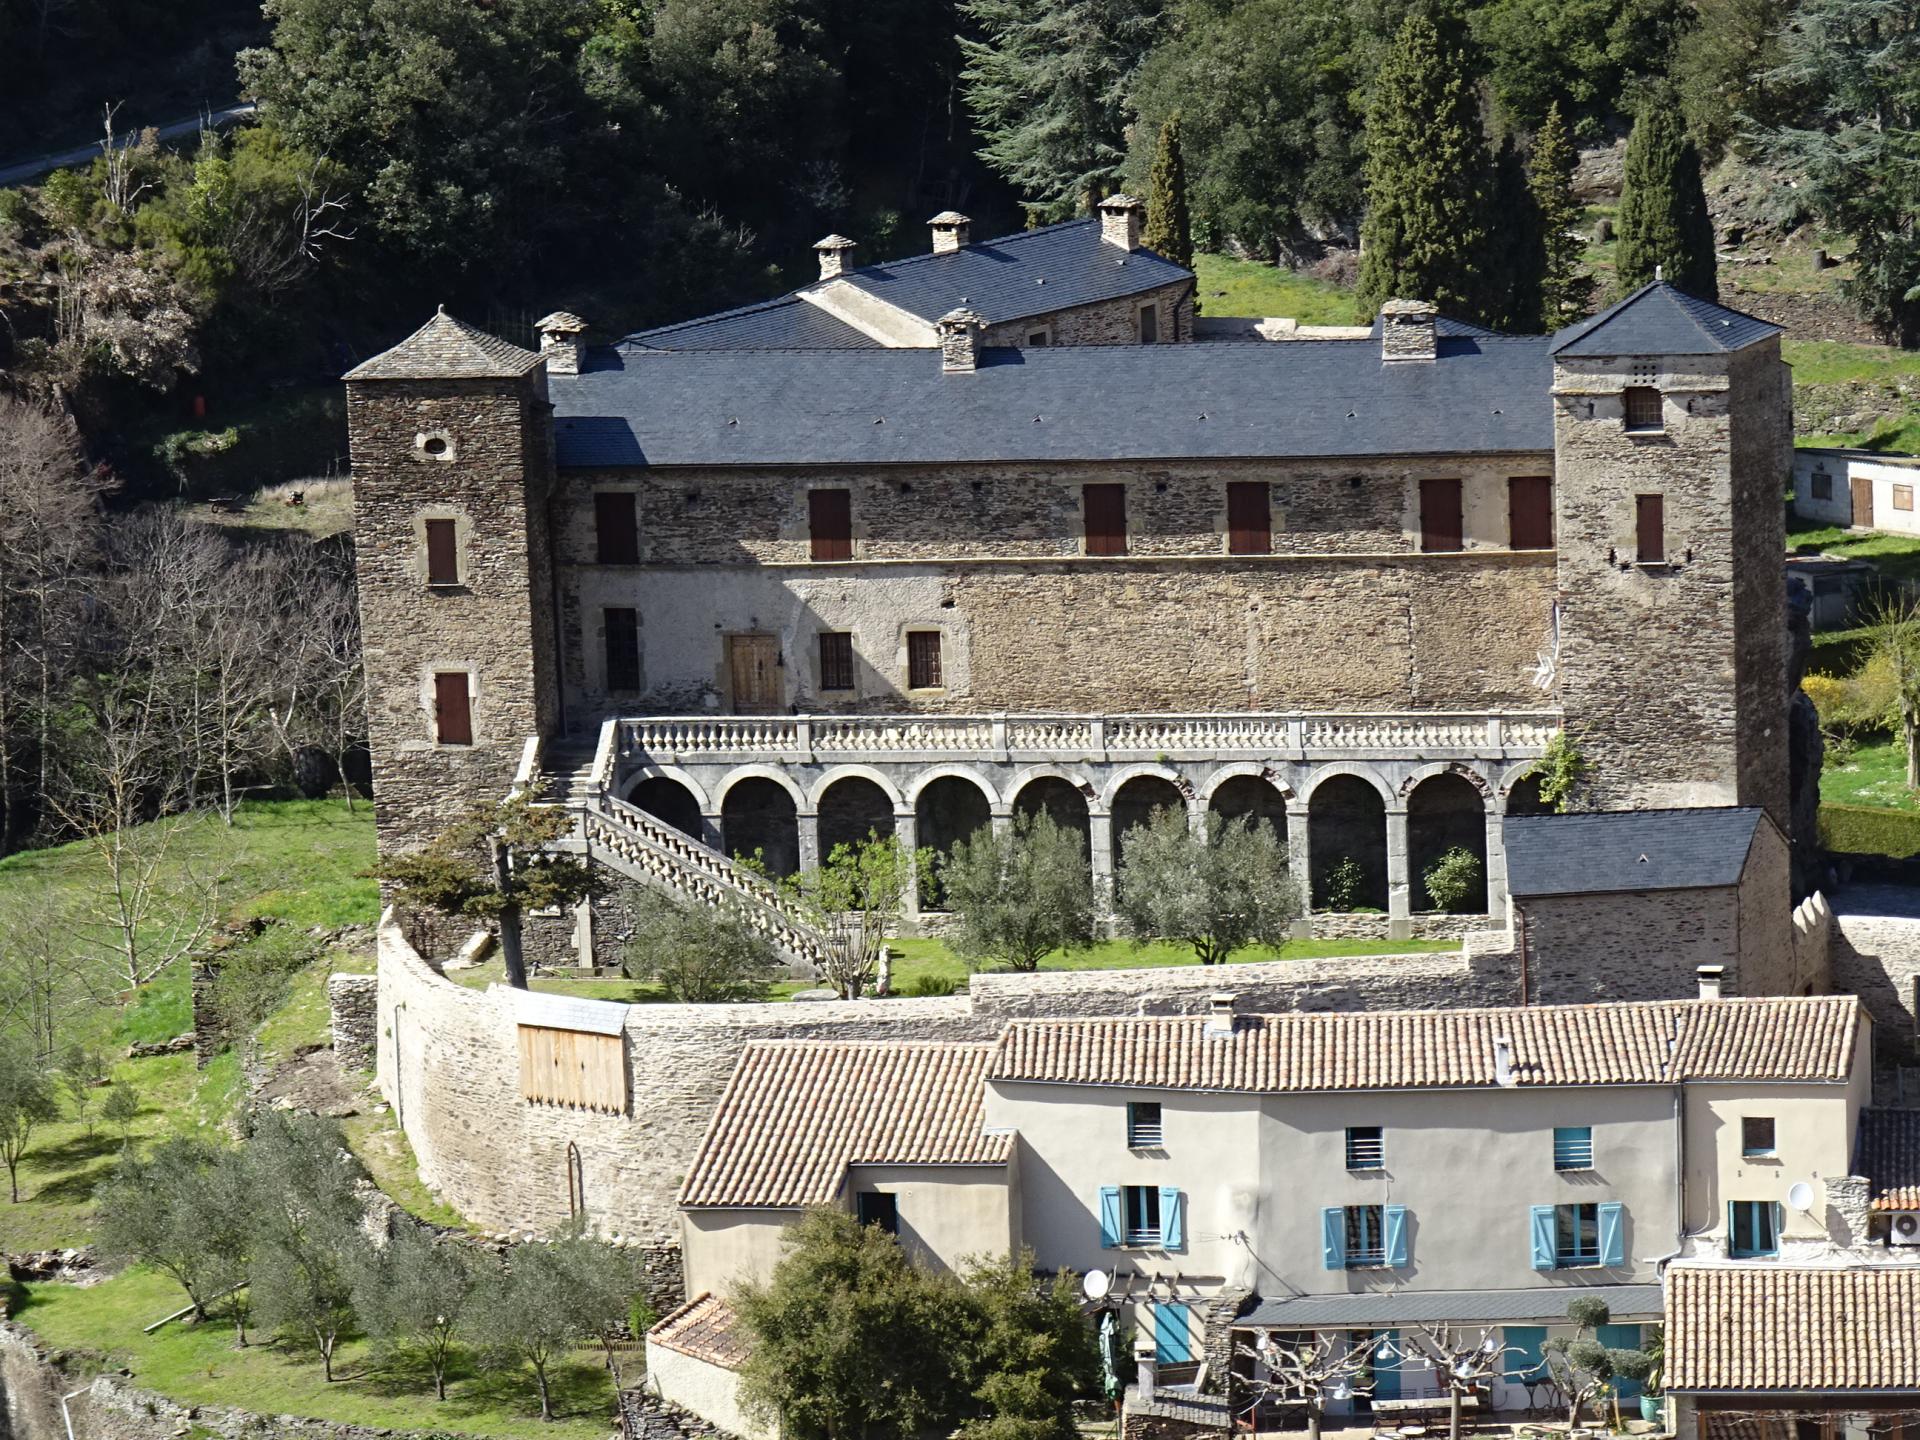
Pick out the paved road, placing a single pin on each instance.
(14, 173)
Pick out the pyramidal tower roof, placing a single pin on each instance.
(1658, 319)
(448, 349)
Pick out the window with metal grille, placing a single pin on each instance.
(1366, 1236)
(1143, 1125)
(870, 1207)
(1650, 528)
(1441, 526)
(1366, 1147)
(443, 554)
(1143, 1214)
(1756, 1135)
(616, 534)
(1752, 1229)
(623, 650)
(1576, 1235)
(1149, 324)
(1646, 411)
(452, 709)
(830, 523)
(1573, 1147)
(836, 660)
(1106, 517)
(923, 659)
(1249, 518)
(1530, 512)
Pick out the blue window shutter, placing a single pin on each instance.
(1109, 1217)
(1613, 1234)
(1172, 1333)
(1333, 1237)
(1397, 1247)
(1543, 1237)
(1173, 1219)
(1733, 1228)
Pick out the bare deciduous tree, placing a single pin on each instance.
(127, 160)
(1308, 1371)
(1462, 1363)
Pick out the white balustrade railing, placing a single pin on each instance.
(805, 737)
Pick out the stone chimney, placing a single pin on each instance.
(1220, 1015)
(836, 256)
(959, 340)
(560, 342)
(1407, 331)
(1120, 220)
(1503, 1061)
(951, 231)
(1848, 1197)
(1711, 978)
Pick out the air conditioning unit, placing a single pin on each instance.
(1905, 1228)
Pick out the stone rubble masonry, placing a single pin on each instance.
(646, 1416)
(354, 1003)
(209, 1029)
(1106, 322)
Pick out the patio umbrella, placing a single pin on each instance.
(1109, 1367)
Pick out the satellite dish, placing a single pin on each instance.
(1800, 1196)
(1095, 1284)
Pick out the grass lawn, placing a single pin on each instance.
(1876, 775)
(1833, 362)
(1246, 287)
(1895, 556)
(326, 509)
(197, 1364)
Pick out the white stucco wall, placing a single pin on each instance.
(708, 1390)
(1841, 468)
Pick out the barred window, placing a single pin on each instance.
(1645, 410)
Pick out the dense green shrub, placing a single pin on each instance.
(1346, 882)
(1455, 881)
(1869, 830)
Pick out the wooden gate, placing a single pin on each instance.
(753, 667)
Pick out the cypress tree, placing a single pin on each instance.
(1663, 208)
(1512, 267)
(1169, 229)
(1564, 288)
(1428, 176)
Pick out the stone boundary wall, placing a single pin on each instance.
(354, 1003)
(448, 1062)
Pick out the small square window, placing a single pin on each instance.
(871, 1207)
(1366, 1236)
(1142, 1214)
(1646, 411)
(1039, 338)
(1756, 1135)
(1143, 1125)
(836, 660)
(1573, 1147)
(923, 660)
(1903, 497)
(1366, 1147)
(1822, 485)
(1753, 1231)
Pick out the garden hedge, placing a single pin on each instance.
(1869, 830)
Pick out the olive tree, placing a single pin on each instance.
(1020, 893)
(855, 901)
(420, 1295)
(1218, 892)
(698, 952)
(171, 1210)
(26, 1103)
(1582, 1367)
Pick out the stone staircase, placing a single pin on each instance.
(567, 773)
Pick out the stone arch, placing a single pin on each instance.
(920, 782)
(1519, 792)
(1127, 773)
(852, 808)
(1446, 811)
(670, 800)
(760, 772)
(1347, 820)
(1482, 786)
(1352, 769)
(864, 772)
(1061, 796)
(1095, 805)
(1244, 770)
(1134, 802)
(949, 806)
(1249, 794)
(758, 813)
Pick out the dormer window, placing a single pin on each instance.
(1646, 412)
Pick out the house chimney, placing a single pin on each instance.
(1220, 1015)
(1503, 1061)
(1120, 217)
(560, 342)
(951, 231)
(836, 256)
(1406, 330)
(959, 340)
(1711, 978)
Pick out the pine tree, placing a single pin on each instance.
(1428, 176)
(1663, 208)
(1565, 288)
(1169, 225)
(1512, 266)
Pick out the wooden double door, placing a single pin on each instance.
(753, 675)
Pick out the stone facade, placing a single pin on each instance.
(1110, 322)
(354, 1003)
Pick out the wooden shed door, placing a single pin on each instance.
(1862, 502)
(1440, 520)
(753, 666)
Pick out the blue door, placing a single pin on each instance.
(1386, 1370)
(1524, 1362)
(1172, 1334)
(1622, 1337)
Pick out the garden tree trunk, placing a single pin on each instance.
(546, 1400)
(1453, 1412)
(1313, 1421)
(1910, 722)
(511, 953)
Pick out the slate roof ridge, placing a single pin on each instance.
(756, 307)
(447, 348)
(1012, 237)
(1694, 308)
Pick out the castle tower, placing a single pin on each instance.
(452, 461)
(1672, 437)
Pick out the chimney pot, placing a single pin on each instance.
(959, 341)
(1503, 1060)
(561, 342)
(951, 231)
(1120, 220)
(836, 256)
(1711, 979)
(1220, 1013)
(1407, 330)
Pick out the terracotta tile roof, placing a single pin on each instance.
(1643, 1043)
(1887, 1152)
(1754, 1327)
(705, 1328)
(448, 349)
(797, 1113)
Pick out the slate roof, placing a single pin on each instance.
(1752, 1328)
(1657, 319)
(705, 1328)
(1665, 1042)
(797, 1113)
(1442, 1307)
(447, 349)
(1332, 398)
(788, 323)
(1887, 1152)
(1624, 850)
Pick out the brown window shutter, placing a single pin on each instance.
(1106, 515)
(452, 709)
(923, 659)
(443, 558)
(1249, 518)
(623, 650)
(615, 533)
(1440, 526)
(1650, 527)
(1530, 512)
(836, 660)
(830, 522)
